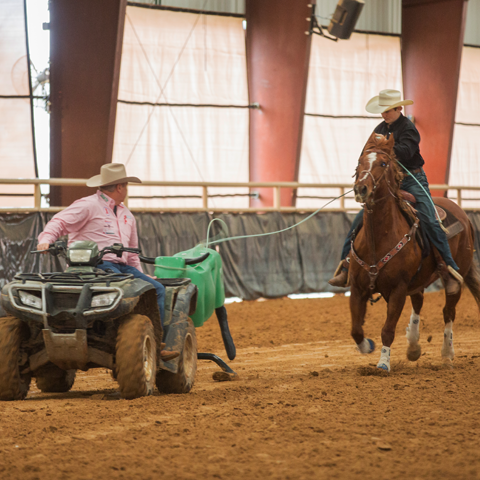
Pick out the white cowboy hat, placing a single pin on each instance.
(387, 100)
(111, 174)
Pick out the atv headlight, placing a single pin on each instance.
(104, 299)
(30, 300)
(79, 256)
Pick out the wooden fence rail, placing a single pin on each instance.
(205, 186)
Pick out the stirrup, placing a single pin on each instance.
(455, 274)
(339, 268)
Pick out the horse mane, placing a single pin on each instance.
(380, 142)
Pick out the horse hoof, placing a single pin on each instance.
(414, 352)
(367, 346)
(383, 366)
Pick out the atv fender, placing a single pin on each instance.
(176, 331)
(147, 305)
(136, 288)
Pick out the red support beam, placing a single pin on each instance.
(278, 54)
(432, 42)
(86, 46)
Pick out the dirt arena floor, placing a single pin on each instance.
(305, 406)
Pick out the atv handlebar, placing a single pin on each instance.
(53, 248)
(118, 249)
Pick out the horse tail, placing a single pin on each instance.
(472, 279)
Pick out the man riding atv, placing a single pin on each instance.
(104, 219)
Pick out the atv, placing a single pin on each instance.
(84, 317)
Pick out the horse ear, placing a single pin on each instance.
(391, 141)
(371, 142)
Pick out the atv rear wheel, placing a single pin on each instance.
(136, 358)
(183, 380)
(54, 379)
(13, 384)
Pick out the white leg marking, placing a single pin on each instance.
(371, 157)
(384, 362)
(447, 348)
(413, 332)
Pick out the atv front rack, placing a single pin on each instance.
(74, 278)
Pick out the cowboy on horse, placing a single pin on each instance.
(407, 151)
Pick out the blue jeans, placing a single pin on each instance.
(426, 214)
(159, 288)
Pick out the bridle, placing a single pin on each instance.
(374, 268)
(376, 182)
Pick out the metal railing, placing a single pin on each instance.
(205, 186)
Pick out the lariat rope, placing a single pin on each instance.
(207, 243)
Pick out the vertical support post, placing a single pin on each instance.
(85, 50)
(37, 195)
(459, 197)
(432, 42)
(278, 55)
(205, 197)
(342, 199)
(277, 198)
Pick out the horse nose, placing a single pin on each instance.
(360, 190)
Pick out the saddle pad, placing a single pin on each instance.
(454, 229)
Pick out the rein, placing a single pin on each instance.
(374, 269)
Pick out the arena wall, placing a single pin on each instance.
(300, 260)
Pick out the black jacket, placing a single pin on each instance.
(407, 140)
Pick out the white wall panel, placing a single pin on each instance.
(183, 58)
(343, 76)
(465, 160)
(16, 145)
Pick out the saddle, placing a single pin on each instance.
(450, 223)
(441, 213)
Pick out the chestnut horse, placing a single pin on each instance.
(387, 259)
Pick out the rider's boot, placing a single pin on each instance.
(452, 280)
(167, 355)
(340, 278)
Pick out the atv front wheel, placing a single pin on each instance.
(183, 380)
(54, 379)
(13, 384)
(136, 359)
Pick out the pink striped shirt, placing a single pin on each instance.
(92, 218)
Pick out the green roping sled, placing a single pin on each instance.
(203, 266)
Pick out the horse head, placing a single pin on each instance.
(375, 166)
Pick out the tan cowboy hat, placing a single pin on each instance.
(111, 174)
(387, 100)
